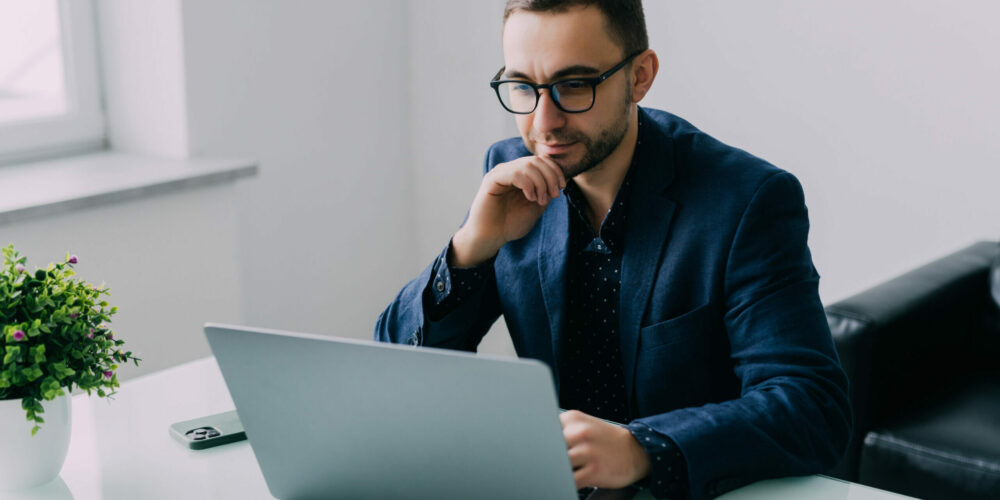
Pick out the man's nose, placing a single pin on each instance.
(547, 117)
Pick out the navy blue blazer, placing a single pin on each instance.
(724, 340)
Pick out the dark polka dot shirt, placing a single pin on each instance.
(590, 365)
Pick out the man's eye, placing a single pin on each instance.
(570, 85)
(522, 88)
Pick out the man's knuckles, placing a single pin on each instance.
(578, 434)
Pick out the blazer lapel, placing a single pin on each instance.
(552, 271)
(649, 215)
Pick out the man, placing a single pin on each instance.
(663, 276)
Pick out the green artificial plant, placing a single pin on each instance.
(54, 335)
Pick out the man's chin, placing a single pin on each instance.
(570, 166)
(572, 169)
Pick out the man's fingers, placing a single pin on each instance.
(556, 169)
(565, 418)
(539, 179)
(576, 434)
(579, 455)
(583, 477)
(569, 416)
(540, 184)
(573, 431)
(530, 182)
(552, 174)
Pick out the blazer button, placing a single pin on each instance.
(439, 286)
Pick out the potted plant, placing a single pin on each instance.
(54, 337)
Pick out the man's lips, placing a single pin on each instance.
(555, 148)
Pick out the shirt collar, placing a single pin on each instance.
(612, 234)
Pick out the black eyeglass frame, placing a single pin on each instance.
(592, 81)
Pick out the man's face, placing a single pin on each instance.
(545, 47)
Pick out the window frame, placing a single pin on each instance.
(82, 128)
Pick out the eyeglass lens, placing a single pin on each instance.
(570, 95)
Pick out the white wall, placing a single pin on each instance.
(453, 51)
(317, 92)
(360, 116)
(170, 262)
(455, 115)
(886, 111)
(141, 54)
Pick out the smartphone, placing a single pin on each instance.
(209, 431)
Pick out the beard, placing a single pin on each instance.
(596, 149)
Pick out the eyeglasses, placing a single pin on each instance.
(574, 95)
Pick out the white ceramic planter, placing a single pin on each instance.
(26, 460)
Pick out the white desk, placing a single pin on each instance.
(121, 450)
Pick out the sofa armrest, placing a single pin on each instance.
(903, 342)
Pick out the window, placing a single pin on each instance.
(49, 96)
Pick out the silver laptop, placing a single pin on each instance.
(337, 418)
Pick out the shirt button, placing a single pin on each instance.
(439, 286)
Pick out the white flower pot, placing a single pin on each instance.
(26, 460)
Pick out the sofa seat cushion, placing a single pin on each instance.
(948, 451)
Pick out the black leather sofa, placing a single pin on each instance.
(922, 352)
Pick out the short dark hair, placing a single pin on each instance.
(626, 22)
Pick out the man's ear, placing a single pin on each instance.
(644, 68)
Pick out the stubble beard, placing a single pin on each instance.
(596, 149)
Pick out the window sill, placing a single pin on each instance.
(45, 188)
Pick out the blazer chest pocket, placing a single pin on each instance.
(689, 326)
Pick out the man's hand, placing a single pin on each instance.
(510, 200)
(602, 454)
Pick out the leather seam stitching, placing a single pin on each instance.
(942, 456)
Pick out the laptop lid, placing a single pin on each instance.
(332, 417)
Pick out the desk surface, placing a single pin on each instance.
(121, 450)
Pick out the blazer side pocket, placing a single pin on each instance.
(683, 328)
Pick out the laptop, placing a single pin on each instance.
(331, 417)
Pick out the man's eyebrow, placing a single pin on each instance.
(576, 70)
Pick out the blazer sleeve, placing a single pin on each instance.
(409, 318)
(793, 416)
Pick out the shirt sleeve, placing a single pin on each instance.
(667, 468)
(450, 286)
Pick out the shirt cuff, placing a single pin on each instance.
(451, 286)
(667, 467)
